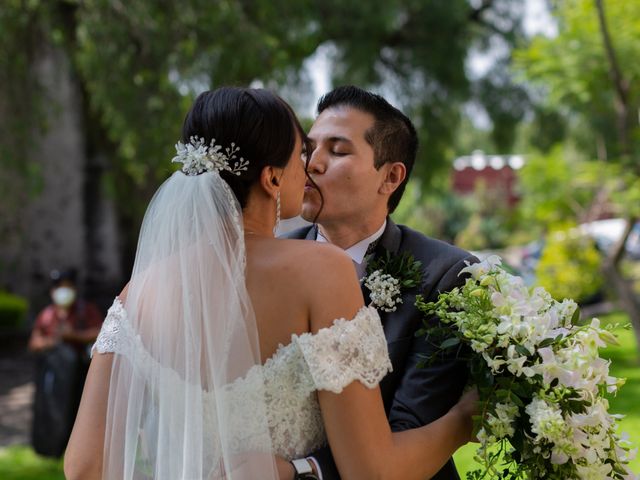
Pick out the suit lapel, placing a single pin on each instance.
(390, 241)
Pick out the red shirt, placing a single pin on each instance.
(82, 316)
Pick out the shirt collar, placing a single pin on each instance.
(359, 250)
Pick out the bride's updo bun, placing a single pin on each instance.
(257, 121)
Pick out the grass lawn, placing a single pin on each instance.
(625, 363)
(20, 463)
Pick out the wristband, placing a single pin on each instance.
(303, 470)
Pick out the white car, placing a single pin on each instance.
(607, 233)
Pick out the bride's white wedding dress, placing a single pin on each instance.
(287, 382)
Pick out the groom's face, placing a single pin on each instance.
(342, 165)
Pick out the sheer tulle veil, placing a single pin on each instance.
(192, 333)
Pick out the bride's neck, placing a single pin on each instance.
(259, 218)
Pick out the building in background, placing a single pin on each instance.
(497, 173)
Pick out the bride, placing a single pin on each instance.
(230, 350)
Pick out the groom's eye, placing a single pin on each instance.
(339, 153)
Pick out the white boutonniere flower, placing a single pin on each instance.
(388, 275)
(385, 291)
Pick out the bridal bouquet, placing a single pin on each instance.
(542, 384)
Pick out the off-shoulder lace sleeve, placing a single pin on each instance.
(347, 351)
(114, 332)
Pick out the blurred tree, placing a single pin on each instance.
(140, 63)
(439, 213)
(561, 186)
(492, 221)
(588, 74)
(416, 52)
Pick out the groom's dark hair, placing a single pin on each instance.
(392, 137)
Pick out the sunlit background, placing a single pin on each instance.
(527, 112)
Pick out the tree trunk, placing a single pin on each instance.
(620, 84)
(628, 300)
(622, 287)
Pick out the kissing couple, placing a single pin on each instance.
(233, 354)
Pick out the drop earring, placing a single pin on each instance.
(275, 228)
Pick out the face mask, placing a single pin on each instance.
(63, 296)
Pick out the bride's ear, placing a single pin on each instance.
(396, 173)
(270, 180)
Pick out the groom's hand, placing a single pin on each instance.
(285, 469)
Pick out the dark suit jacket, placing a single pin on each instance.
(413, 396)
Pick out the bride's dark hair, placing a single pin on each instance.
(258, 121)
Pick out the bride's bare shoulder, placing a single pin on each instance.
(316, 257)
(323, 272)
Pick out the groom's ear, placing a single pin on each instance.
(395, 174)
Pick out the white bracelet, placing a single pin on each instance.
(301, 465)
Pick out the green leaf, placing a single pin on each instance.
(449, 342)
(546, 342)
(575, 318)
(516, 399)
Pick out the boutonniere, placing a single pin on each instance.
(388, 276)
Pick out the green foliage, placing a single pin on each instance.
(12, 310)
(22, 107)
(486, 231)
(570, 266)
(21, 102)
(439, 212)
(139, 67)
(482, 220)
(22, 463)
(492, 220)
(563, 186)
(403, 267)
(550, 187)
(142, 65)
(572, 72)
(505, 102)
(417, 52)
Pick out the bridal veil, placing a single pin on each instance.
(191, 332)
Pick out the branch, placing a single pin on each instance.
(618, 250)
(620, 85)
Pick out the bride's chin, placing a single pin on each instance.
(308, 212)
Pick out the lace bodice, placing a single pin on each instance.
(330, 360)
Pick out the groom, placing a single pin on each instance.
(363, 151)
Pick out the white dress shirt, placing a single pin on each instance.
(358, 251)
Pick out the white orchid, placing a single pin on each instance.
(477, 270)
(534, 366)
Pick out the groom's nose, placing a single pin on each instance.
(317, 162)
